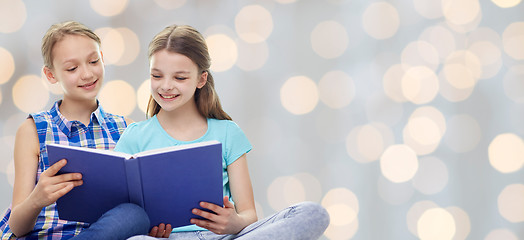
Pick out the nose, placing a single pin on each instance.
(166, 85)
(87, 74)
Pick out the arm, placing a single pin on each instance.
(231, 219)
(28, 199)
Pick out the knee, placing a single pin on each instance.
(316, 213)
(135, 216)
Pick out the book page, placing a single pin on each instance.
(175, 148)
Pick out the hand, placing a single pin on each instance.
(161, 231)
(51, 187)
(222, 220)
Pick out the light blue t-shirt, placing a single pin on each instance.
(149, 134)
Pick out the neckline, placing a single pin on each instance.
(199, 139)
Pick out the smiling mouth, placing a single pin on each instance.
(169, 96)
(89, 84)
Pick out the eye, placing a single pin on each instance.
(71, 69)
(180, 78)
(155, 76)
(95, 61)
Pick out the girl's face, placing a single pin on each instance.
(78, 67)
(174, 80)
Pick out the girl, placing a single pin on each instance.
(184, 108)
(72, 58)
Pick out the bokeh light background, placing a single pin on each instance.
(404, 119)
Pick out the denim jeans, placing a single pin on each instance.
(121, 222)
(302, 221)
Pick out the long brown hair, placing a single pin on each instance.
(187, 41)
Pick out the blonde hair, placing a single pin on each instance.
(57, 32)
(189, 42)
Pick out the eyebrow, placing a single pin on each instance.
(177, 72)
(88, 56)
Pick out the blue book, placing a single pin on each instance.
(168, 183)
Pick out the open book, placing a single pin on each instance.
(168, 183)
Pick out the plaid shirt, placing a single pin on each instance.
(103, 132)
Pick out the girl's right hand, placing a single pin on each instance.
(51, 187)
(161, 231)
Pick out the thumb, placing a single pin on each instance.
(53, 170)
(227, 203)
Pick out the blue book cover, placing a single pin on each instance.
(168, 183)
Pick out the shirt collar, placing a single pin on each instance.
(64, 125)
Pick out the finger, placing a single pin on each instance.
(161, 229)
(205, 214)
(154, 231)
(213, 207)
(62, 189)
(168, 230)
(227, 203)
(53, 169)
(203, 223)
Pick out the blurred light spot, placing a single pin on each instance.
(506, 153)
(419, 85)
(142, 95)
(512, 39)
(460, 73)
(113, 46)
(10, 171)
(431, 177)
(439, 38)
(459, 76)
(468, 59)
(118, 97)
(13, 15)
(170, 4)
(380, 108)
(29, 94)
(427, 140)
(381, 20)
(429, 9)
(336, 89)
(506, 3)
(463, 134)
(467, 27)
(285, 191)
(462, 223)
(460, 12)
(329, 39)
(223, 51)
(313, 191)
(131, 47)
(299, 95)
(392, 83)
(343, 208)
(254, 24)
(252, 56)
(485, 34)
(420, 53)
(501, 233)
(7, 68)
(489, 56)
(513, 84)
(415, 212)
(451, 93)
(394, 193)
(108, 8)
(511, 203)
(436, 223)
(398, 163)
(366, 143)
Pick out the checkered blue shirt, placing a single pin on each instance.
(103, 132)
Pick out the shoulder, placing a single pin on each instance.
(227, 124)
(138, 127)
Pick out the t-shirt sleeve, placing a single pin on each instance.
(128, 141)
(236, 143)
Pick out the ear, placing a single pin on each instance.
(102, 56)
(203, 80)
(49, 75)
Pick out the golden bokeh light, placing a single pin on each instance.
(415, 212)
(490, 57)
(254, 24)
(285, 191)
(367, 142)
(506, 3)
(170, 4)
(511, 203)
(399, 163)
(313, 187)
(336, 89)
(108, 8)
(436, 224)
(429, 9)
(142, 95)
(343, 209)
(440, 38)
(432, 175)
(252, 56)
(7, 68)
(30, 94)
(113, 46)
(419, 85)
(131, 46)
(223, 51)
(462, 223)
(450, 93)
(506, 153)
(513, 84)
(460, 12)
(381, 20)
(299, 95)
(329, 39)
(464, 133)
(392, 83)
(118, 97)
(501, 233)
(420, 53)
(423, 130)
(512, 39)
(13, 15)
(459, 76)
(470, 62)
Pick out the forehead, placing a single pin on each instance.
(73, 47)
(164, 60)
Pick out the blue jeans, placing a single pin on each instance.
(123, 221)
(302, 221)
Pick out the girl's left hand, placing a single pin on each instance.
(222, 220)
